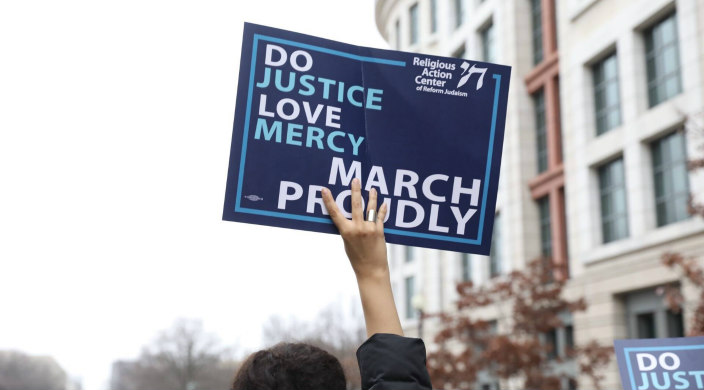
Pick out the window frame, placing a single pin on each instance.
(541, 130)
(600, 85)
(410, 254)
(545, 225)
(670, 198)
(656, 82)
(397, 31)
(495, 253)
(433, 16)
(409, 283)
(608, 189)
(414, 24)
(459, 13)
(466, 267)
(488, 39)
(536, 14)
(645, 304)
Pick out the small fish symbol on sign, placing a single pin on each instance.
(253, 198)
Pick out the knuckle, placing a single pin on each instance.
(352, 233)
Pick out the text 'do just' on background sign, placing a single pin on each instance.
(657, 364)
(425, 131)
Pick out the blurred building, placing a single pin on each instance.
(119, 376)
(19, 370)
(594, 171)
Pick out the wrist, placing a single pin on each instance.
(374, 275)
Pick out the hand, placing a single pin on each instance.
(366, 249)
(364, 241)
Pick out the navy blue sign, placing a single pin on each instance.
(425, 131)
(676, 363)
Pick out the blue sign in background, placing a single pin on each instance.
(453, 130)
(671, 363)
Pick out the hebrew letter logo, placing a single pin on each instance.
(469, 72)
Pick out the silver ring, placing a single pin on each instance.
(371, 215)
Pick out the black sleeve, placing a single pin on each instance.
(389, 361)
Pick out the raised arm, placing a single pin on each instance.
(366, 248)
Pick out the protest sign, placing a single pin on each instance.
(425, 131)
(674, 363)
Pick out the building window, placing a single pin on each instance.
(554, 23)
(459, 53)
(433, 16)
(488, 49)
(662, 60)
(410, 292)
(560, 340)
(537, 19)
(563, 202)
(612, 194)
(675, 324)
(493, 327)
(466, 267)
(551, 342)
(648, 316)
(607, 102)
(545, 227)
(569, 338)
(646, 325)
(495, 252)
(670, 178)
(410, 254)
(459, 13)
(414, 23)
(397, 31)
(541, 134)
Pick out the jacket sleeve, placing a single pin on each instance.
(388, 361)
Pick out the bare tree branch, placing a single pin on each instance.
(469, 346)
(184, 357)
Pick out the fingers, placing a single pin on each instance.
(372, 201)
(381, 215)
(357, 212)
(337, 218)
(358, 216)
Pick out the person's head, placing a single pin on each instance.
(290, 366)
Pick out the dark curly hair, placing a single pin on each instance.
(290, 366)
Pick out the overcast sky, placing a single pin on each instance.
(115, 127)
